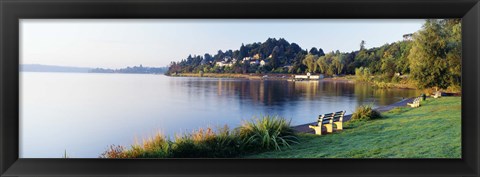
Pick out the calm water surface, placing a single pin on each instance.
(84, 113)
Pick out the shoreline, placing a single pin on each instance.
(254, 76)
(289, 77)
(303, 128)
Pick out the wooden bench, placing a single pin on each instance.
(415, 103)
(327, 121)
(338, 119)
(437, 94)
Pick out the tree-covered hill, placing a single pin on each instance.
(281, 56)
(432, 56)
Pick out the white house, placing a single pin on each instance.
(220, 63)
(223, 63)
(226, 58)
(256, 56)
(263, 63)
(309, 76)
(301, 77)
(408, 37)
(254, 62)
(247, 58)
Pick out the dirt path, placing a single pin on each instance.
(304, 127)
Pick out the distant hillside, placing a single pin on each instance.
(132, 70)
(52, 68)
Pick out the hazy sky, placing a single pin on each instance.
(120, 43)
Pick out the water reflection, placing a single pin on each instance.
(280, 92)
(84, 113)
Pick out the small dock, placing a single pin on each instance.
(304, 127)
(306, 77)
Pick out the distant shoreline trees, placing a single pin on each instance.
(135, 69)
(432, 56)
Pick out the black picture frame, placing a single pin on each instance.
(13, 10)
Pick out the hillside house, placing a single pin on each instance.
(408, 37)
(220, 63)
(223, 63)
(263, 63)
(256, 56)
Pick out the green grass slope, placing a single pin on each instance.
(430, 131)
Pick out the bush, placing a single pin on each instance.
(365, 112)
(384, 78)
(156, 147)
(278, 70)
(267, 133)
(227, 143)
(383, 85)
(363, 74)
(114, 151)
(207, 143)
(396, 79)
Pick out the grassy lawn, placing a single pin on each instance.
(430, 131)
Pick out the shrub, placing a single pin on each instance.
(384, 78)
(183, 147)
(158, 146)
(365, 112)
(227, 143)
(363, 74)
(383, 85)
(396, 79)
(155, 147)
(267, 133)
(207, 143)
(114, 151)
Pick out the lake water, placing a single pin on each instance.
(84, 113)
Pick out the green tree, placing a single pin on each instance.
(310, 61)
(332, 63)
(454, 55)
(363, 74)
(313, 51)
(275, 60)
(362, 45)
(322, 64)
(320, 52)
(401, 64)
(435, 56)
(388, 65)
(339, 63)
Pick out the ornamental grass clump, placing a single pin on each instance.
(266, 133)
(207, 143)
(258, 135)
(365, 112)
(156, 147)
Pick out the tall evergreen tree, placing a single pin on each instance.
(435, 55)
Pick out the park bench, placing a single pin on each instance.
(415, 103)
(338, 119)
(327, 121)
